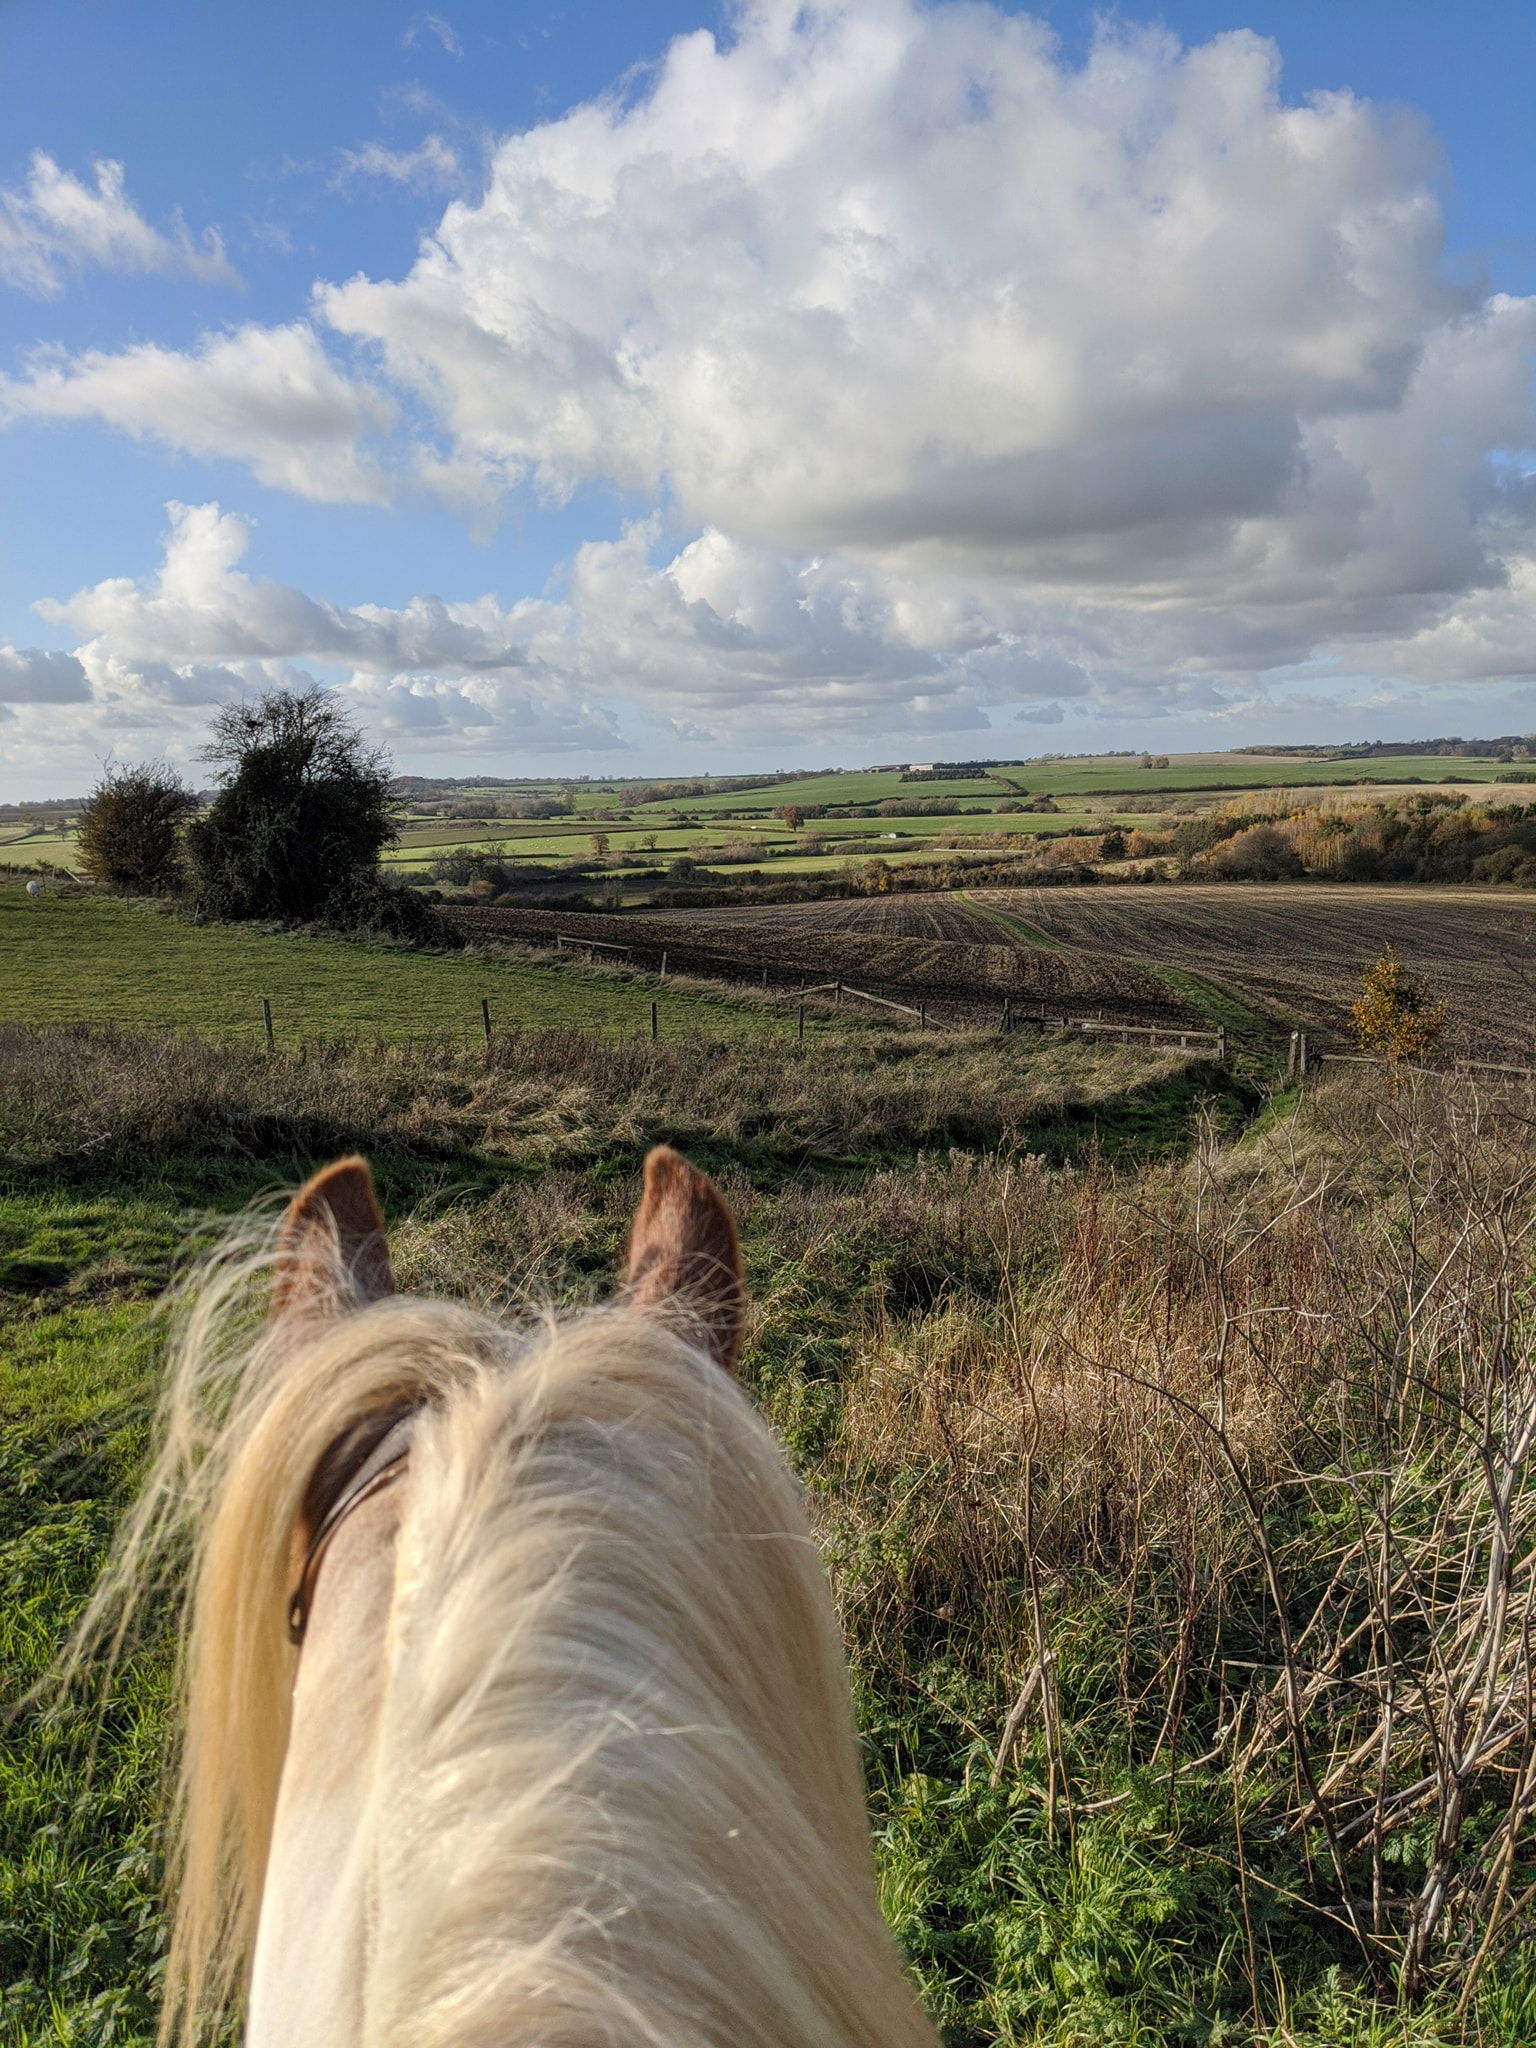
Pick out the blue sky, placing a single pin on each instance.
(575, 392)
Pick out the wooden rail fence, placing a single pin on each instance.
(1302, 1059)
(1371, 1059)
(1168, 1035)
(1183, 1037)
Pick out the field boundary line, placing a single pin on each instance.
(1191, 987)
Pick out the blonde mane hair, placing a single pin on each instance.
(616, 1792)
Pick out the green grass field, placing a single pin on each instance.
(841, 836)
(1107, 775)
(73, 959)
(1235, 772)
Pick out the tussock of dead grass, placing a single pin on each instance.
(540, 1097)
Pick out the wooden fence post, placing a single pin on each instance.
(1221, 1044)
(266, 1020)
(1301, 1054)
(922, 1016)
(663, 974)
(800, 1025)
(655, 1022)
(485, 1020)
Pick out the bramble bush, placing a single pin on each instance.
(131, 829)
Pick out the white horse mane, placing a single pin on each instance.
(616, 1793)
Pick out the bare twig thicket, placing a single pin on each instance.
(1276, 1409)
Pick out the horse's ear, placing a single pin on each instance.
(331, 1254)
(684, 1260)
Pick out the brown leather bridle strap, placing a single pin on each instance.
(381, 1467)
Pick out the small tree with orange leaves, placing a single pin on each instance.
(1395, 1016)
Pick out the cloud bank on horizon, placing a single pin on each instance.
(969, 391)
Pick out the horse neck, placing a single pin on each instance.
(309, 1975)
(571, 1756)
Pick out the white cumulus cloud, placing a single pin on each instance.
(966, 381)
(895, 278)
(720, 634)
(201, 631)
(57, 223)
(202, 606)
(267, 396)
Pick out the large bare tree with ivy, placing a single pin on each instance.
(303, 811)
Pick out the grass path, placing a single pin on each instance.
(1213, 1000)
(68, 959)
(1017, 927)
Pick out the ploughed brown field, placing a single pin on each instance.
(1294, 950)
(958, 979)
(1284, 953)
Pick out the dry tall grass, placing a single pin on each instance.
(89, 1094)
(1269, 1414)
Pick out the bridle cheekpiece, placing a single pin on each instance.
(374, 1458)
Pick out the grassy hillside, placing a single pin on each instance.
(70, 959)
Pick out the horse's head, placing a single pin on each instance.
(515, 1705)
(683, 1269)
(684, 1263)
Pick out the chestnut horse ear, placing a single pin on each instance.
(331, 1254)
(684, 1260)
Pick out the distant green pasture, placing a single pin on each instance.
(1212, 773)
(841, 836)
(1106, 775)
(962, 822)
(37, 849)
(97, 960)
(844, 787)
